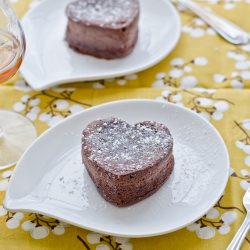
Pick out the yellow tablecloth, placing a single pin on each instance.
(204, 73)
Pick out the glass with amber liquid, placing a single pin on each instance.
(16, 131)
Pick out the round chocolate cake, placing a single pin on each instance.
(103, 28)
(127, 162)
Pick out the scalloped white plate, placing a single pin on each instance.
(49, 61)
(50, 178)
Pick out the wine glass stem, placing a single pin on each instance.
(1, 132)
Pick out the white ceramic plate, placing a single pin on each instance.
(49, 61)
(50, 178)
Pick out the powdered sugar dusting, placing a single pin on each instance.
(104, 12)
(121, 148)
(191, 175)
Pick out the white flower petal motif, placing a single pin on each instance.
(244, 172)
(13, 223)
(102, 247)
(165, 93)
(35, 110)
(158, 84)
(161, 75)
(237, 84)
(28, 225)
(7, 173)
(247, 161)
(126, 246)
(181, 7)
(212, 213)
(219, 78)
(200, 61)
(239, 57)
(177, 61)
(188, 82)
(54, 120)
(197, 32)
(231, 54)
(193, 227)
(121, 82)
(198, 22)
(235, 74)
(213, 1)
(39, 232)
(4, 184)
(205, 232)
(210, 32)
(176, 97)
(98, 85)
(221, 106)
(187, 68)
(246, 124)
(61, 104)
(44, 117)
(246, 47)
(242, 65)
(31, 116)
(204, 102)
(186, 29)
(20, 85)
(217, 115)
(61, 89)
(229, 217)
(176, 73)
(58, 230)
(239, 144)
(76, 108)
(34, 102)
(3, 211)
(131, 77)
(121, 240)
(203, 90)
(25, 98)
(229, 6)
(245, 185)
(246, 149)
(245, 75)
(18, 216)
(93, 238)
(225, 229)
(18, 107)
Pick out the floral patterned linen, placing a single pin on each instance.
(203, 73)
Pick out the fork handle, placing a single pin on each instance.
(240, 235)
(225, 28)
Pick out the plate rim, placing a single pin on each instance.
(48, 84)
(9, 203)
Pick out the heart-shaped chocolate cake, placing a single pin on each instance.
(127, 162)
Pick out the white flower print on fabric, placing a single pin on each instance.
(103, 242)
(21, 85)
(217, 220)
(120, 81)
(181, 73)
(29, 106)
(197, 28)
(202, 101)
(59, 104)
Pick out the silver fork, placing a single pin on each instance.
(241, 233)
(228, 30)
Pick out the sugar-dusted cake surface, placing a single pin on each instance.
(127, 162)
(103, 28)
